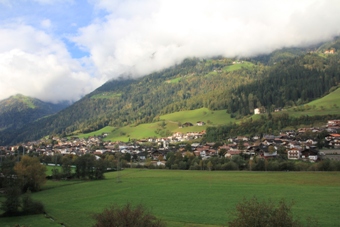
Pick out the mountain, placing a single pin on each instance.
(19, 110)
(234, 85)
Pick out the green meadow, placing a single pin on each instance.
(217, 117)
(172, 121)
(187, 198)
(106, 95)
(237, 66)
(107, 129)
(174, 81)
(49, 169)
(329, 104)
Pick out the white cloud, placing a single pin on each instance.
(34, 64)
(46, 23)
(139, 37)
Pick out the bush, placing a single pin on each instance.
(273, 166)
(31, 207)
(287, 166)
(301, 166)
(174, 166)
(126, 216)
(230, 166)
(257, 213)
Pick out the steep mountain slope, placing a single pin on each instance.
(292, 82)
(19, 110)
(237, 86)
(192, 84)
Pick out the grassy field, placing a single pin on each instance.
(106, 95)
(174, 81)
(189, 198)
(237, 66)
(172, 120)
(203, 114)
(107, 129)
(329, 104)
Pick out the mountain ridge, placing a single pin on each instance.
(235, 85)
(19, 110)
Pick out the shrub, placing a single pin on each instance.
(126, 216)
(273, 166)
(31, 207)
(230, 166)
(174, 166)
(257, 213)
(301, 166)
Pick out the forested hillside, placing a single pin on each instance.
(235, 85)
(19, 110)
(291, 82)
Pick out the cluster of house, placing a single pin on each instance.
(331, 51)
(269, 146)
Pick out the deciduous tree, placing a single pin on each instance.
(31, 173)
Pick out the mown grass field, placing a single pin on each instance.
(188, 198)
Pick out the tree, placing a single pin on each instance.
(12, 193)
(126, 216)
(257, 213)
(14, 203)
(87, 167)
(209, 165)
(66, 163)
(240, 145)
(84, 166)
(30, 206)
(31, 174)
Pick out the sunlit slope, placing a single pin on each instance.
(167, 124)
(329, 104)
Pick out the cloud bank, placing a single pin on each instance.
(138, 37)
(40, 66)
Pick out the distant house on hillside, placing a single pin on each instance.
(257, 111)
(293, 153)
(331, 51)
(187, 124)
(200, 123)
(333, 123)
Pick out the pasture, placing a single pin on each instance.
(188, 198)
(329, 104)
(212, 118)
(238, 65)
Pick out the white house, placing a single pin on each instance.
(293, 154)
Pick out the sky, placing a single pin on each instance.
(60, 50)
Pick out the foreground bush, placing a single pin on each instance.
(126, 216)
(255, 213)
(30, 206)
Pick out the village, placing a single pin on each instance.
(293, 145)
